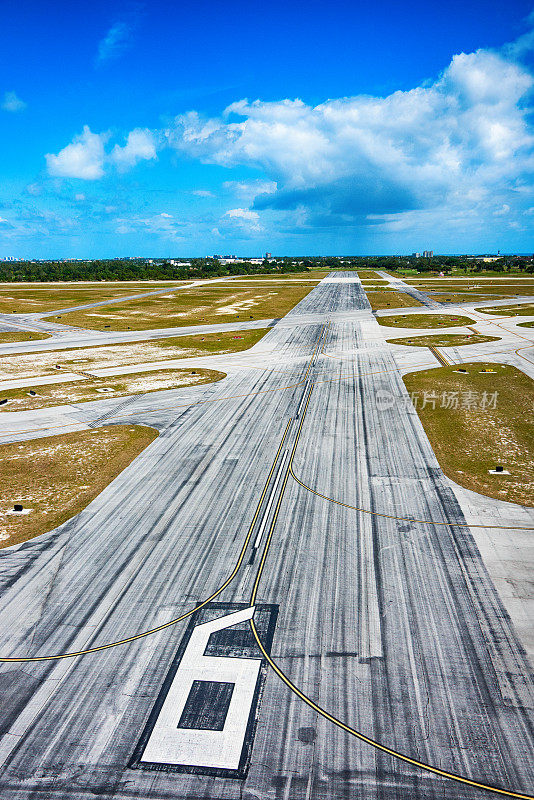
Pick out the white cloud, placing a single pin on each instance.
(80, 197)
(83, 158)
(13, 103)
(247, 191)
(161, 225)
(202, 193)
(118, 38)
(462, 142)
(244, 218)
(140, 146)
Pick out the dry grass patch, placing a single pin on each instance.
(384, 298)
(40, 301)
(525, 310)
(470, 440)
(366, 274)
(425, 321)
(466, 297)
(446, 340)
(313, 274)
(489, 285)
(7, 337)
(210, 303)
(87, 389)
(58, 476)
(89, 358)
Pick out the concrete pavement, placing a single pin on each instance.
(392, 625)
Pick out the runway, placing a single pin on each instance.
(391, 626)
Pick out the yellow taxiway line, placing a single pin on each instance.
(317, 708)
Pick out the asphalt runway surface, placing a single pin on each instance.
(401, 286)
(391, 626)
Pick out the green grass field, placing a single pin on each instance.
(469, 436)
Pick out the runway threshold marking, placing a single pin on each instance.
(319, 709)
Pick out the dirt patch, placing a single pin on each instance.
(58, 476)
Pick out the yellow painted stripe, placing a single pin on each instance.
(330, 717)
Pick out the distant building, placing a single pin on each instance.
(268, 255)
(428, 253)
(416, 255)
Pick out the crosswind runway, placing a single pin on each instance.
(389, 626)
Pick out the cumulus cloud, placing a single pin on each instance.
(245, 219)
(82, 158)
(140, 146)
(463, 141)
(13, 103)
(86, 158)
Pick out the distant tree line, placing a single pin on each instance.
(135, 270)
(148, 270)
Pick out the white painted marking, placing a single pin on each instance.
(271, 500)
(169, 744)
(303, 398)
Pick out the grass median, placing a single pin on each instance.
(7, 337)
(45, 362)
(87, 389)
(58, 476)
(384, 298)
(445, 340)
(525, 310)
(477, 420)
(425, 321)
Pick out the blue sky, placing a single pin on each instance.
(300, 128)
